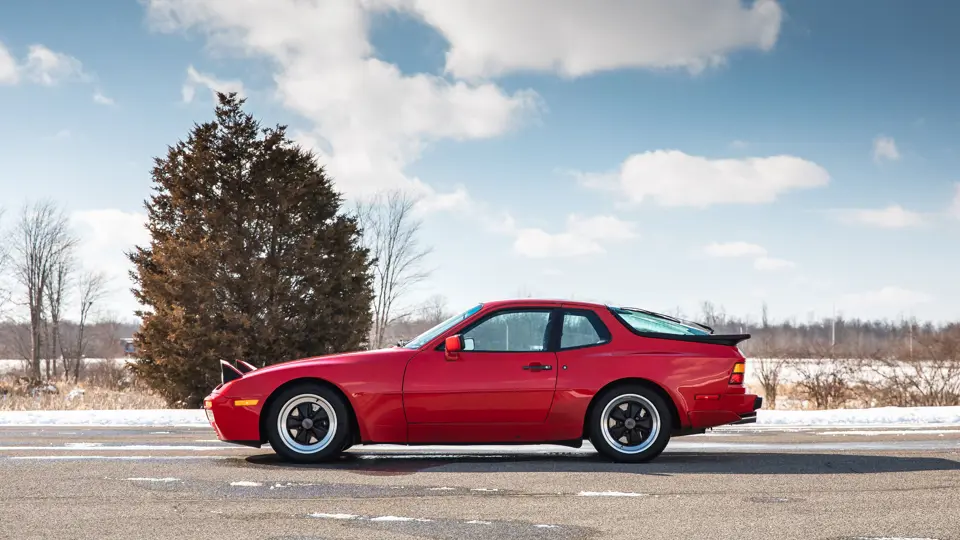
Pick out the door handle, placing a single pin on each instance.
(538, 367)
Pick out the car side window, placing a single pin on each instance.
(511, 331)
(582, 329)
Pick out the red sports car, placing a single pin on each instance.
(507, 372)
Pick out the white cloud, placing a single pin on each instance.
(583, 236)
(195, 79)
(42, 66)
(733, 249)
(431, 202)
(955, 204)
(370, 121)
(891, 217)
(885, 148)
(745, 249)
(490, 38)
(50, 68)
(889, 296)
(9, 72)
(673, 178)
(738, 144)
(771, 263)
(98, 97)
(106, 235)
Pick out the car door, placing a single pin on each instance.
(506, 374)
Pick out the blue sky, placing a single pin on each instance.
(655, 153)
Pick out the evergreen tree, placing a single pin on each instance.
(251, 258)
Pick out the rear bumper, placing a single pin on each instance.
(725, 409)
(751, 417)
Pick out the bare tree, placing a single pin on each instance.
(768, 372)
(91, 289)
(929, 380)
(41, 239)
(4, 264)
(55, 297)
(826, 379)
(390, 231)
(433, 311)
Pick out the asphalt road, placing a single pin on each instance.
(747, 483)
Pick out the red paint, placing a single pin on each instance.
(427, 395)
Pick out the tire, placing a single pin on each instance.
(312, 444)
(604, 421)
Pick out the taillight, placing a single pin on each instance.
(737, 376)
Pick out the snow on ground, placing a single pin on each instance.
(878, 417)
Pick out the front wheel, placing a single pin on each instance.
(308, 423)
(630, 424)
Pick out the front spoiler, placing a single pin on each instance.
(252, 444)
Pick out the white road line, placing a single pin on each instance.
(73, 447)
(610, 494)
(124, 458)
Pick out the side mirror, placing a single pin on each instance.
(452, 346)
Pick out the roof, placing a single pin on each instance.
(543, 302)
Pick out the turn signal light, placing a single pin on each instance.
(738, 369)
(245, 402)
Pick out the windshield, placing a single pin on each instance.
(645, 321)
(423, 338)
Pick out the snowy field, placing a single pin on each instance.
(877, 417)
(8, 364)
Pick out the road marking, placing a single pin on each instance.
(610, 494)
(125, 458)
(246, 483)
(168, 479)
(73, 447)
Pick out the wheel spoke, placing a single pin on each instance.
(299, 436)
(293, 422)
(617, 431)
(631, 409)
(645, 422)
(617, 414)
(304, 410)
(629, 437)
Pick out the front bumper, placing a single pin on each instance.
(233, 423)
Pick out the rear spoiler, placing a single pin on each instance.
(714, 339)
(230, 372)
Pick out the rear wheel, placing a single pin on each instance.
(308, 423)
(630, 424)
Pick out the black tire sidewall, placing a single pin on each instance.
(605, 449)
(332, 449)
